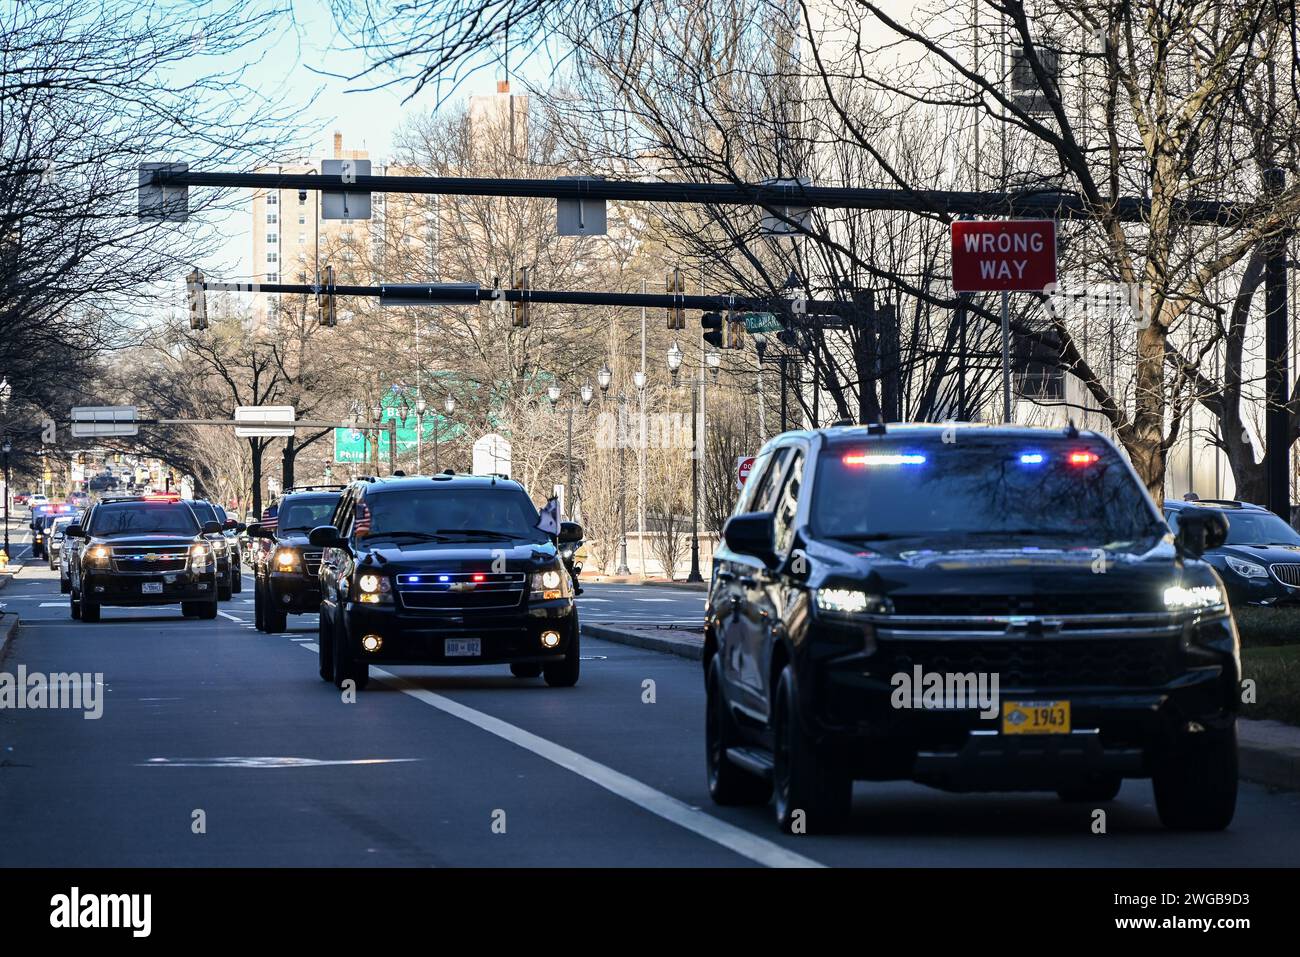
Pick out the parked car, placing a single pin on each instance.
(1259, 561)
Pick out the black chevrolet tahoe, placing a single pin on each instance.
(149, 550)
(970, 607)
(444, 570)
(286, 568)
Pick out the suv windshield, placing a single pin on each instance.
(204, 512)
(451, 514)
(118, 518)
(304, 514)
(1066, 492)
(1259, 528)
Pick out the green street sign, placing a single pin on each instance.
(761, 322)
(353, 445)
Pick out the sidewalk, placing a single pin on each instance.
(1269, 750)
(638, 580)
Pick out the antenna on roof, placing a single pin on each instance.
(877, 427)
(1070, 431)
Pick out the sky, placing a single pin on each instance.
(293, 69)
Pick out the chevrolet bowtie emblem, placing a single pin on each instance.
(151, 557)
(462, 586)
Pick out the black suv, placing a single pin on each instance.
(970, 607)
(207, 515)
(444, 570)
(149, 550)
(1259, 561)
(286, 569)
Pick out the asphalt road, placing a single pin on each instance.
(465, 767)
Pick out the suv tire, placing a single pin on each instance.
(74, 604)
(729, 784)
(325, 647)
(273, 617)
(564, 674)
(1196, 783)
(344, 667)
(802, 779)
(258, 621)
(89, 610)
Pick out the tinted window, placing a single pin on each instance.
(117, 518)
(204, 512)
(1068, 492)
(1259, 528)
(304, 514)
(453, 512)
(787, 506)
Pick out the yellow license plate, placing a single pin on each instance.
(1035, 717)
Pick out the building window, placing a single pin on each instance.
(272, 199)
(271, 218)
(302, 219)
(272, 257)
(302, 238)
(273, 277)
(272, 238)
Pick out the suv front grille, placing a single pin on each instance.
(311, 562)
(1040, 662)
(448, 591)
(1287, 574)
(169, 558)
(1043, 604)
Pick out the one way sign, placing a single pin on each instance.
(1011, 256)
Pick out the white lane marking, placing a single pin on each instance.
(53, 604)
(755, 848)
(224, 614)
(654, 599)
(586, 600)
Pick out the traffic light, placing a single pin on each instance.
(735, 331)
(676, 287)
(198, 300)
(326, 305)
(522, 314)
(711, 322)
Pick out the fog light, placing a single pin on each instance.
(372, 643)
(99, 589)
(551, 639)
(287, 599)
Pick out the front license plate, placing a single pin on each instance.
(1035, 717)
(462, 648)
(151, 588)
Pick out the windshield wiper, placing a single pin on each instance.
(414, 536)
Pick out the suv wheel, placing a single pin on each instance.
(1196, 784)
(259, 621)
(89, 610)
(344, 667)
(564, 674)
(325, 647)
(728, 783)
(65, 586)
(223, 591)
(811, 796)
(273, 617)
(236, 579)
(74, 604)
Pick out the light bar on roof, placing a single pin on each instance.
(883, 458)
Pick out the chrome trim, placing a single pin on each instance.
(1288, 565)
(1166, 631)
(1153, 617)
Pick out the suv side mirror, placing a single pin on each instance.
(230, 523)
(326, 536)
(570, 532)
(750, 534)
(1200, 530)
(211, 528)
(253, 529)
(73, 531)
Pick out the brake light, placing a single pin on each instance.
(162, 497)
(1083, 458)
(882, 458)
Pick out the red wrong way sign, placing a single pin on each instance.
(1005, 255)
(743, 466)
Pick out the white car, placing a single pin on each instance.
(37, 499)
(54, 539)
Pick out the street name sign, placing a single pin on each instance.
(102, 420)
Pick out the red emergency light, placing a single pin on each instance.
(1083, 458)
(162, 497)
(479, 576)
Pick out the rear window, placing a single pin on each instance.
(1063, 492)
(304, 514)
(118, 518)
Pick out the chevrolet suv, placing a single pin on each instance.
(444, 570)
(142, 551)
(207, 515)
(286, 568)
(969, 607)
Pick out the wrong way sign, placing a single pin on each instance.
(1003, 256)
(744, 465)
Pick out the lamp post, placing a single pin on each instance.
(420, 407)
(448, 406)
(6, 448)
(603, 379)
(675, 364)
(553, 393)
(376, 418)
(328, 473)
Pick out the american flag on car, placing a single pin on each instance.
(361, 522)
(271, 518)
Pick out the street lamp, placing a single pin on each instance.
(638, 380)
(603, 378)
(553, 393)
(4, 397)
(675, 363)
(714, 360)
(328, 473)
(420, 407)
(449, 406)
(587, 393)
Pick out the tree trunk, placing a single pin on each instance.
(255, 450)
(1146, 442)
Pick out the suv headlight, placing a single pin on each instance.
(98, 555)
(1246, 569)
(550, 584)
(1194, 598)
(374, 589)
(200, 555)
(845, 601)
(286, 559)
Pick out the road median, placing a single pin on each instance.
(682, 642)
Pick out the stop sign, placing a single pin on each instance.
(743, 465)
(1011, 255)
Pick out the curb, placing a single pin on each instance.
(1269, 751)
(656, 582)
(8, 628)
(667, 641)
